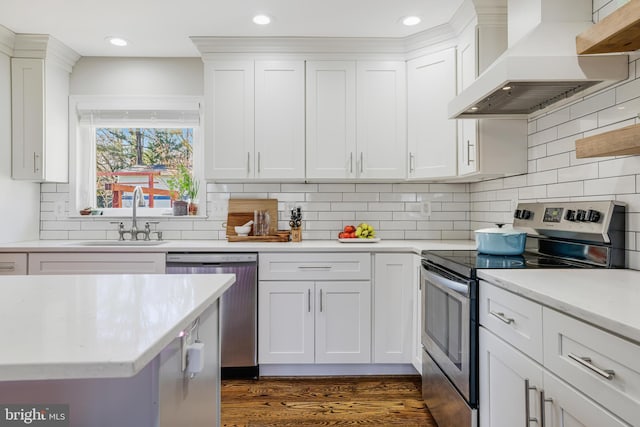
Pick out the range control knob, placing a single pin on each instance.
(517, 214)
(593, 216)
(570, 215)
(526, 214)
(581, 215)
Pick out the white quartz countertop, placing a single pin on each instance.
(96, 326)
(415, 246)
(607, 298)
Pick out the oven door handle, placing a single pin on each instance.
(447, 284)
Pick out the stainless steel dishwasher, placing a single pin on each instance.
(238, 306)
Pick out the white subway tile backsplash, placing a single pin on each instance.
(361, 197)
(537, 151)
(386, 206)
(456, 207)
(54, 235)
(224, 188)
(515, 181)
(373, 216)
(434, 225)
(631, 200)
(399, 225)
(461, 197)
(593, 104)
(567, 189)
(342, 216)
(578, 126)
(448, 216)
(48, 188)
(336, 188)
(576, 173)
(618, 167)
(452, 188)
(628, 91)
(617, 185)
(633, 222)
(374, 188)
(84, 234)
(436, 197)
(299, 188)
(531, 126)
(563, 145)
(554, 162)
(532, 193)
(544, 136)
(324, 197)
(354, 206)
(619, 113)
(398, 197)
(538, 178)
(553, 119)
(456, 235)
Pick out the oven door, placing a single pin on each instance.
(446, 324)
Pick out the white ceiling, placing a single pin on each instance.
(162, 28)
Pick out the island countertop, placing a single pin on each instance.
(96, 326)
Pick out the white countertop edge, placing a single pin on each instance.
(606, 322)
(413, 246)
(110, 368)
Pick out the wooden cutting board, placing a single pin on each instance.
(241, 211)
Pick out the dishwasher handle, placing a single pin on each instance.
(211, 258)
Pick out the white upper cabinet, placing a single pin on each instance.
(381, 120)
(40, 72)
(432, 135)
(229, 91)
(254, 120)
(279, 120)
(331, 119)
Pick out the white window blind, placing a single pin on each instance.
(172, 115)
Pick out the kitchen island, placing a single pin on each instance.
(113, 347)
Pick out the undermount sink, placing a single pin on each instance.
(118, 243)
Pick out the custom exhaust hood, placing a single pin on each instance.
(540, 66)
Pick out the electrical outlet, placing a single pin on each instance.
(219, 210)
(425, 209)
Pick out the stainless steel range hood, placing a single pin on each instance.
(540, 66)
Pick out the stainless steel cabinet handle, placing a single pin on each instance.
(309, 300)
(527, 403)
(586, 362)
(502, 317)
(351, 162)
(361, 162)
(35, 162)
(469, 145)
(248, 162)
(320, 300)
(315, 267)
(543, 401)
(412, 162)
(8, 267)
(258, 162)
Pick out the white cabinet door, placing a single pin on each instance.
(331, 119)
(279, 119)
(432, 135)
(96, 263)
(229, 120)
(381, 120)
(28, 102)
(467, 57)
(393, 286)
(567, 407)
(286, 319)
(504, 373)
(343, 322)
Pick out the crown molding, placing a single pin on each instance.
(491, 12)
(43, 46)
(7, 40)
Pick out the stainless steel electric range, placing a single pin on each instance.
(559, 235)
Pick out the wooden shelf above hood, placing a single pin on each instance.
(619, 142)
(617, 32)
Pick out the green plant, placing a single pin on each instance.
(183, 185)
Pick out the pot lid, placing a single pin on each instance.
(498, 230)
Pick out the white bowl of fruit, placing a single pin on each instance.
(362, 233)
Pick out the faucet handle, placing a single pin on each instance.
(157, 233)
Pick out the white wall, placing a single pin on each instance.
(137, 76)
(20, 201)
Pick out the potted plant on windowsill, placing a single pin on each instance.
(184, 192)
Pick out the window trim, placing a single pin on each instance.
(80, 171)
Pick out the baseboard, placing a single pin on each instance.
(335, 370)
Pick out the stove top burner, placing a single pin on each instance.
(549, 262)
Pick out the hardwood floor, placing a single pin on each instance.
(325, 401)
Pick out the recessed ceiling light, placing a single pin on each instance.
(506, 88)
(117, 41)
(261, 20)
(474, 108)
(410, 21)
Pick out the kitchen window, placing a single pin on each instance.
(123, 143)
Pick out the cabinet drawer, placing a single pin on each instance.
(568, 342)
(515, 319)
(96, 263)
(13, 264)
(314, 266)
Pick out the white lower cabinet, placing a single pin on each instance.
(314, 308)
(394, 280)
(96, 263)
(582, 375)
(314, 322)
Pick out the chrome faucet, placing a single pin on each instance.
(138, 200)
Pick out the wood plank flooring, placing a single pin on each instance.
(325, 401)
